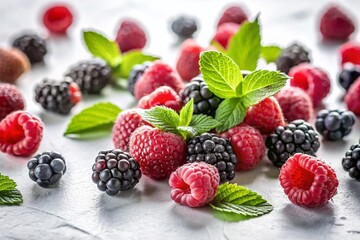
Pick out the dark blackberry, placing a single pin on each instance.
(205, 102)
(136, 72)
(46, 168)
(91, 76)
(213, 150)
(184, 26)
(348, 75)
(351, 161)
(32, 45)
(114, 171)
(333, 125)
(58, 97)
(297, 137)
(291, 57)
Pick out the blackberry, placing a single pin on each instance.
(91, 76)
(297, 137)
(291, 57)
(46, 168)
(205, 102)
(32, 45)
(114, 171)
(334, 124)
(136, 72)
(213, 150)
(58, 97)
(351, 161)
(348, 75)
(184, 26)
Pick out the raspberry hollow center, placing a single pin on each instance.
(184, 187)
(16, 133)
(302, 178)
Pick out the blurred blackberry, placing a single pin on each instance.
(114, 171)
(136, 72)
(291, 57)
(184, 26)
(297, 137)
(351, 161)
(348, 75)
(91, 76)
(32, 45)
(46, 168)
(213, 150)
(334, 124)
(58, 97)
(205, 102)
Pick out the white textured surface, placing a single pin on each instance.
(75, 209)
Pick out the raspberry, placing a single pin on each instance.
(313, 80)
(162, 96)
(248, 145)
(350, 53)
(352, 98)
(233, 14)
(159, 153)
(184, 26)
(127, 122)
(308, 181)
(11, 100)
(194, 184)
(136, 72)
(295, 103)
(336, 24)
(225, 32)
(187, 64)
(130, 36)
(13, 63)
(32, 45)
(57, 19)
(351, 161)
(21, 134)
(157, 75)
(292, 56)
(265, 116)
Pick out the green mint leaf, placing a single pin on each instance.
(6, 183)
(270, 53)
(202, 123)
(233, 198)
(162, 118)
(99, 117)
(245, 47)
(218, 46)
(186, 113)
(187, 132)
(8, 194)
(220, 73)
(101, 47)
(132, 58)
(230, 113)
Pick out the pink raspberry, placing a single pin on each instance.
(234, 14)
(308, 181)
(225, 32)
(162, 96)
(130, 36)
(350, 53)
(194, 184)
(11, 99)
(295, 103)
(352, 98)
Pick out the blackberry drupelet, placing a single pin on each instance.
(114, 171)
(184, 26)
(334, 124)
(46, 168)
(136, 72)
(32, 45)
(297, 137)
(292, 56)
(91, 76)
(349, 75)
(213, 150)
(205, 102)
(351, 161)
(58, 97)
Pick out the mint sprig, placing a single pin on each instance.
(9, 195)
(270, 53)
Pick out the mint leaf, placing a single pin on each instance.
(220, 73)
(186, 113)
(6, 183)
(270, 53)
(102, 47)
(99, 117)
(8, 194)
(132, 58)
(245, 47)
(203, 123)
(218, 46)
(162, 118)
(230, 113)
(233, 198)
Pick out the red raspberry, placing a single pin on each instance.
(13, 63)
(295, 103)
(225, 32)
(21, 133)
(234, 14)
(162, 96)
(194, 184)
(352, 98)
(58, 18)
(350, 52)
(248, 145)
(308, 181)
(127, 122)
(11, 99)
(313, 80)
(130, 36)
(335, 24)
(159, 153)
(187, 64)
(157, 75)
(265, 116)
